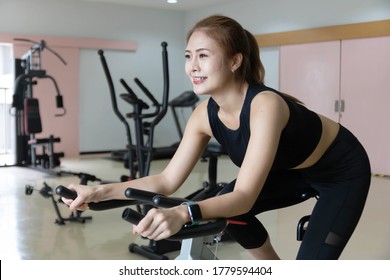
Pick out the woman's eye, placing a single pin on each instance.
(202, 55)
(187, 57)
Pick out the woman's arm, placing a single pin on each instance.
(195, 139)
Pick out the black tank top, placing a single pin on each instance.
(298, 139)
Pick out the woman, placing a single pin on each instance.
(279, 145)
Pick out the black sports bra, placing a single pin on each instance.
(298, 139)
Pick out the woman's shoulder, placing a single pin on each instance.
(199, 117)
(270, 105)
(268, 97)
(203, 104)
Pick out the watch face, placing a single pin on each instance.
(195, 213)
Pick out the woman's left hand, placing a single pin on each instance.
(160, 224)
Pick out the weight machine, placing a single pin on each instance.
(28, 121)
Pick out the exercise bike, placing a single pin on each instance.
(194, 240)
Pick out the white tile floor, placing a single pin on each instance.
(28, 230)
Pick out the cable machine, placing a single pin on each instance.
(28, 121)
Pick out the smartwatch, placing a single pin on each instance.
(194, 213)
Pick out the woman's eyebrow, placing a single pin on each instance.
(199, 50)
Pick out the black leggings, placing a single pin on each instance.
(342, 179)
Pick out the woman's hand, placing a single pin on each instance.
(162, 223)
(85, 194)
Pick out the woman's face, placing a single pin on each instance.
(206, 65)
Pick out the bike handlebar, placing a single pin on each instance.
(138, 197)
(206, 229)
(95, 206)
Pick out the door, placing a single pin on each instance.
(365, 87)
(311, 72)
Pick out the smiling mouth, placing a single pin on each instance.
(197, 80)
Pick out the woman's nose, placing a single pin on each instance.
(194, 67)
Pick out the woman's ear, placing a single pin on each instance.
(236, 62)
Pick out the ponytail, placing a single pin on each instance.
(255, 72)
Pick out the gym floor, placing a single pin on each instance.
(29, 232)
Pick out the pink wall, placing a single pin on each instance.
(67, 77)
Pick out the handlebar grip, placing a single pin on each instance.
(140, 195)
(167, 202)
(146, 91)
(132, 216)
(65, 192)
(110, 204)
(95, 206)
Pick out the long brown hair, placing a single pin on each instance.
(234, 39)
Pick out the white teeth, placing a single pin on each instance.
(199, 78)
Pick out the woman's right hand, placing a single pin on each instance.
(85, 194)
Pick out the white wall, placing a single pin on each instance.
(99, 128)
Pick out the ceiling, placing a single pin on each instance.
(182, 5)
